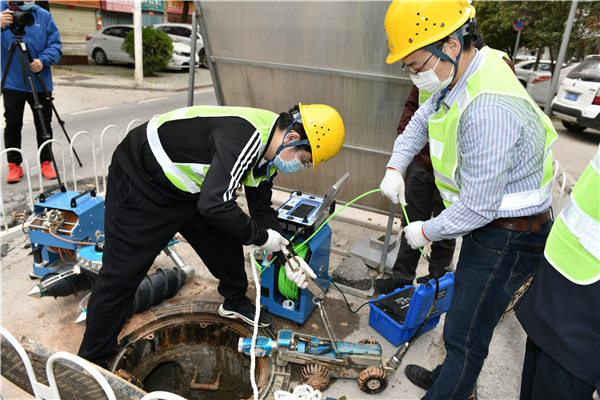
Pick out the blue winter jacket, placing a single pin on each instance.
(44, 43)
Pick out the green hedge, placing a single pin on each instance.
(157, 49)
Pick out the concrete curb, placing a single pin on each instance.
(59, 82)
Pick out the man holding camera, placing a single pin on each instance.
(44, 44)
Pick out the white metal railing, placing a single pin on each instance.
(8, 234)
(104, 171)
(51, 392)
(131, 123)
(38, 169)
(93, 157)
(560, 192)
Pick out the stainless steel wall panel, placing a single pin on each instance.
(273, 55)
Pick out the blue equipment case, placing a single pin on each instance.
(320, 246)
(89, 209)
(300, 217)
(398, 315)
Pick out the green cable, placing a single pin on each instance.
(408, 222)
(287, 288)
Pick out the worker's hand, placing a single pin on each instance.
(36, 66)
(595, 395)
(6, 18)
(293, 271)
(274, 242)
(414, 235)
(392, 186)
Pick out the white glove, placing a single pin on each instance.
(414, 235)
(294, 272)
(392, 186)
(275, 242)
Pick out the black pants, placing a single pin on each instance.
(423, 201)
(136, 231)
(14, 106)
(544, 379)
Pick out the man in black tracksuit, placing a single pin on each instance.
(160, 183)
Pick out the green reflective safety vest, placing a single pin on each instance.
(189, 176)
(424, 96)
(492, 76)
(573, 246)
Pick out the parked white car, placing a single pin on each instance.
(105, 45)
(525, 72)
(183, 33)
(577, 102)
(539, 87)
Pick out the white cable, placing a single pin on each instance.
(301, 392)
(256, 318)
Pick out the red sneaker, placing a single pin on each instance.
(48, 171)
(15, 172)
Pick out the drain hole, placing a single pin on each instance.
(166, 377)
(201, 372)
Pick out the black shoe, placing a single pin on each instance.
(419, 376)
(386, 286)
(424, 279)
(246, 312)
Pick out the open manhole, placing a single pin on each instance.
(190, 350)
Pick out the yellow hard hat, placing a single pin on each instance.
(325, 131)
(411, 25)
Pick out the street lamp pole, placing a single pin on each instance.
(561, 57)
(518, 24)
(514, 57)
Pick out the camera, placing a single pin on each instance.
(21, 18)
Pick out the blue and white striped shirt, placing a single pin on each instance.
(500, 150)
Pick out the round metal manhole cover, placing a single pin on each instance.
(189, 349)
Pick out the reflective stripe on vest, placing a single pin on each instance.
(573, 246)
(492, 76)
(189, 177)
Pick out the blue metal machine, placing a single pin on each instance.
(301, 216)
(72, 216)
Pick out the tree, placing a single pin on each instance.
(184, 14)
(157, 49)
(496, 32)
(546, 26)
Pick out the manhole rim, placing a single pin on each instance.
(164, 315)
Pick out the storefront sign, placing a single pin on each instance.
(176, 7)
(125, 6)
(94, 4)
(153, 5)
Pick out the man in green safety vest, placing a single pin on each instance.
(179, 172)
(561, 310)
(489, 146)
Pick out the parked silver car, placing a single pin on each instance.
(577, 103)
(105, 45)
(183, 33)
(526, 73)
(539, 87)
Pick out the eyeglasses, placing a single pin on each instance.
(408, 70)
(302, 158)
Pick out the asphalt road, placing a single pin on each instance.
(91, 110)
(93, 117)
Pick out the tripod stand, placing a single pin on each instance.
(25, 59)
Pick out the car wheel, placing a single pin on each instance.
(203, 58)
(100, 57)
(573, 127)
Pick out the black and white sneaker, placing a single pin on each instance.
(246, 312)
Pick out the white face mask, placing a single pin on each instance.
(429, 81)
(27, 5)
